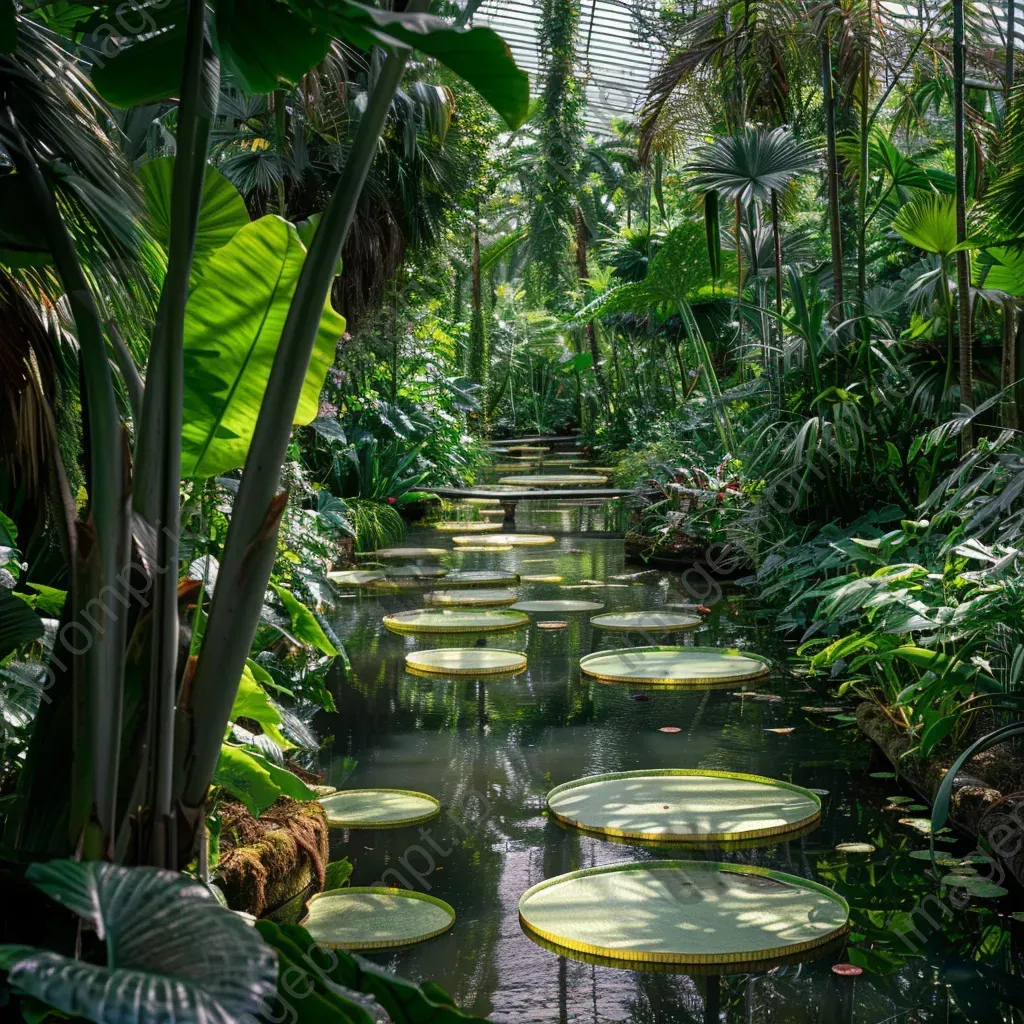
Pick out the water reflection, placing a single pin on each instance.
(496, 746)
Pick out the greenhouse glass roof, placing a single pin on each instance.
(615, 59)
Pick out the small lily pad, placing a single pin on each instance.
(670, 728)
(855, 848)
(975, 885)
(882, 775)
(782, 730)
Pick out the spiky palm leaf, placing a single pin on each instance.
(753, 164)
(929, 223)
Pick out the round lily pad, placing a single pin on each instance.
(354, 577)
(378, 808)
(375, 917)
(557, 480)
(465, 661)
(527, 448)
(656, 621)
(483, 502)
(481, 549)
(683, 805)
(410, 553)
(413, 572)
(471, 598)
(455, 526)
(444, 620)
(480, 578)
(513, 540)
(683, 912)
(542, 578)
(855, 848)
(678, 666)
(558, 606)
(553, 624)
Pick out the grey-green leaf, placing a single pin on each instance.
(174, 955)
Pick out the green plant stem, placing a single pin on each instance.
(249, 546)
(159, 446)
(99, 681)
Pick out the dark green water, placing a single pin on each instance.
(491, 749)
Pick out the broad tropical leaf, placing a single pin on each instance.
(338, 978)
(233, 324)
(251, 701)
(222, 211)
(304, 624)
(174, 954)
(929, 223)
(293, 38)
(19, 624)
(1001, 270)
(257, 782)
(266, 44)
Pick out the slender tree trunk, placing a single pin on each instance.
(865, 99)
(739, 279)
(1008, 366)
(963, 270)
(280, 126)
(1011, 43)
(837, 313)
(582, 273)
(777, 240)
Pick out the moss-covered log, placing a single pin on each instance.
(988, 797)
(271, 865)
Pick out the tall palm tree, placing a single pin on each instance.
(756, 167)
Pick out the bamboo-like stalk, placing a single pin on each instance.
(246, 564)
(159, 445)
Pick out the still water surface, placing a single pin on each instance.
(490, 750)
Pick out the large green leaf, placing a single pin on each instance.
(149, 70)
(1000, 269)
(336, 977)
(222, 211)
(929, 223)
(255, 781)
(304, 624)
(251, 701)
(266, 44)
(233, 325)
(19, 624)
(477, 55)
(174, 954)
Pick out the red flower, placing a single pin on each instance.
(392, 501)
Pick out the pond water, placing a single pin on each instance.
(490, 750)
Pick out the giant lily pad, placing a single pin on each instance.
(654, 622)
(515, 540)
(443, 620)
(683, 912)
(557, 606)
(457, 526)
(354, 577)
(410, 553)
(378, 808)
(557, 480)
(480, 578)
(674, 666)
(465, 661)
(684, 805)
(375, 917)
(471, 598)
